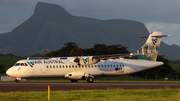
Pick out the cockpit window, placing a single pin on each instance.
(25, 64)
(21, 64)
(17, 64)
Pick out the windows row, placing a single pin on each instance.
(83, 66)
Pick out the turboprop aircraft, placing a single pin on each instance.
(89, 67)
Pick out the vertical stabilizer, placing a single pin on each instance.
(149, 50)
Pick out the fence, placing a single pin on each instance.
(136, 78)
(120, 78)
(6, 78)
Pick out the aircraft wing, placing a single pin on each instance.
(88, 60)
(112, 57)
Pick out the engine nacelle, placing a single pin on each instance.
(74, 76)
(88, 60)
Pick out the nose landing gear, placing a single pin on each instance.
(17, 79)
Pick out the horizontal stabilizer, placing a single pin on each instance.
(158, 36)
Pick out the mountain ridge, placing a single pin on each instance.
(50, 27)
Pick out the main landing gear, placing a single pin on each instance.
(74, 80)
(90, 79)
(17, 79)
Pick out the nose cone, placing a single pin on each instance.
(9, 72)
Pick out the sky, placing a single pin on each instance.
(157, 15)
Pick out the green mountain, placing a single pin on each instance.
(50, 27)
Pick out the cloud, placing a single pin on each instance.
(167, 11)
(167, 29)
(155, 26)
(17, 3)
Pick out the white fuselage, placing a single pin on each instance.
(61, 67)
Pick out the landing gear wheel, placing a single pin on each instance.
(74, 80)
(90, 79)
(17, 80)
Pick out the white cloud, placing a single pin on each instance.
(152, 26)
(167, 29)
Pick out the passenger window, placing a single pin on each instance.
(104, 65)
(63, 66)
(53, 66)
(59, 66)
(66, 66)
(50, 66)
(72, 66)
(47, 66)
(56, 66)
(92, 66)
(69, 66)
(101, 65)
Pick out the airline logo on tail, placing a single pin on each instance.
(154, 41)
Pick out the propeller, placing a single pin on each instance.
(77, 60)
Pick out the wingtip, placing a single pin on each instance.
(170, 35)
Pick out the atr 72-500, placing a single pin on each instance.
(89, 67)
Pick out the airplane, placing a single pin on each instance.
(89, 67)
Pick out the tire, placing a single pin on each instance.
(90, 79)
(74, 80)
(17, 80)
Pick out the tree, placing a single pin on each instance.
(160, 71)
(64, 51)
(2, 69)
(98, 49)
(102, 49)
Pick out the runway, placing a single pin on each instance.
(68, 86)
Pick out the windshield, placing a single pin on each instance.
(17, 64)
(21, 64)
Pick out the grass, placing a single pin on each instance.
(96, 95)
(175, 65)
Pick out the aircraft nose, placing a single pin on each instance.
(9, 72)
